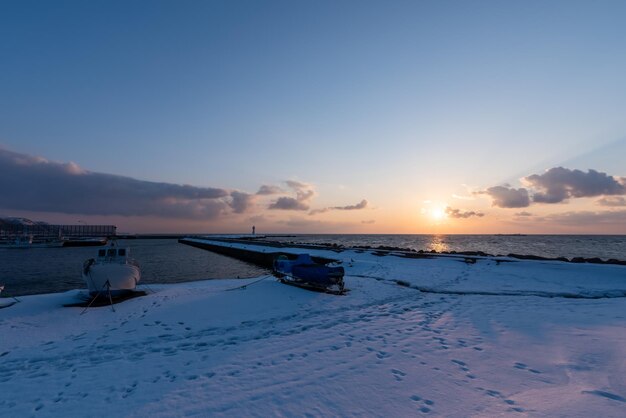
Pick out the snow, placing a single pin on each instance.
(521, 338)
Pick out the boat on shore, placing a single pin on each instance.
(84, 242)
(306, 273)
(112, 272)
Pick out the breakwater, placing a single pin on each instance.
(263, 258)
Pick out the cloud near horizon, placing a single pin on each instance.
(241, 202)
(361, 205)
(581, 218)
(558, 185)
(612, 201)
(37, 184)
(508, 197)
(302, 201)
(457, 213)
(267, 190)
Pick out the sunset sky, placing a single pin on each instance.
(315, 116)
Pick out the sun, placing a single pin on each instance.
(438, 214)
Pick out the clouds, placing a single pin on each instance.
(457, 213)
(612, 219)
(558, 185)
(304, 193)
(289, 203)
(508, 197)
(361, 205)
(241, 201)
(614, 201)
(266, 190)
(36, 184)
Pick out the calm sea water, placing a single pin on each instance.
(46, 270)
(588, 246)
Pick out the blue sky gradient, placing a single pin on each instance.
(397, 102)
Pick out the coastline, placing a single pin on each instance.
(382, 349)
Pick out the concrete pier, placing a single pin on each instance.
(263, 258)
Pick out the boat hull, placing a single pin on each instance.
(113, 277)
(303, 272)
(27, 245)
(92, 242)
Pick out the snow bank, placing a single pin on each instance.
(475, 344)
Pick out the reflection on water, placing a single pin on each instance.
(438, 243)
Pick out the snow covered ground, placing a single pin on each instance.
(483, 339)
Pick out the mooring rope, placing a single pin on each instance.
(147, 287)
(249, 284)
(106, 284)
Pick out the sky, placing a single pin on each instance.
(315, 116)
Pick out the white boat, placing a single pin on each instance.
(111, 272)
(18, 242)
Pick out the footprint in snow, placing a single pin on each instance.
(382, 354)
(493, 393)
(604, 394)
(461, 365)
(425, 403)
(522, 366)
(398, 374)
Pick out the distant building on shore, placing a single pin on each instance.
(15, 227)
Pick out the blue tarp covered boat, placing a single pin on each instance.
(304, 272)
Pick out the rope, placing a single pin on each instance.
(147, 287)
(249, 284)
(96, 297)
(110, 298)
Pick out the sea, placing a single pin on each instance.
(587, 246)
(48, 270)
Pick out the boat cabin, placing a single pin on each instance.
(112, 253)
